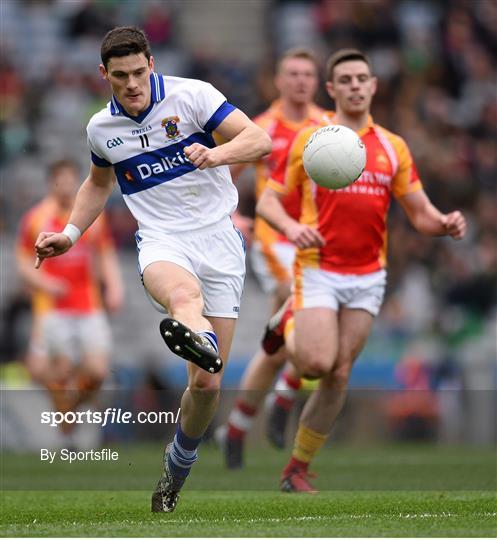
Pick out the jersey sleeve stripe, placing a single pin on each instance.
(221, 113)
(100, 162)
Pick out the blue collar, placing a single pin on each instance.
(158, 94)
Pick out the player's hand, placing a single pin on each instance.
(50, 244)
(454, 225)
(201, 156)
(304, 236)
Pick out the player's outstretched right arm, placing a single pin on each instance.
(90, 201)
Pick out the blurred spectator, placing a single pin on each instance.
(157, 24)
(11, 90)
(413, 411)
(93, 19)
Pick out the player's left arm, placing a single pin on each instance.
(427, 219)
(408, 190)
(247, 142)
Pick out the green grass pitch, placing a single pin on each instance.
(394, 491)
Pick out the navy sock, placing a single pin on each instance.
(183, 454)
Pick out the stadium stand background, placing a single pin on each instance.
(438, 79)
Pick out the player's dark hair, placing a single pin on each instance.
(123, 41)
(298, 52)
(344, 55)
(56, 166)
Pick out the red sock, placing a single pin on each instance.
(286, 390)
(240, 420)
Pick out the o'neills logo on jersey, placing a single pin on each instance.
(165, 164)
(170, 124)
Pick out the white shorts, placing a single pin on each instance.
(215, 255)
(72, 335)
(319, 288)
(272, 264)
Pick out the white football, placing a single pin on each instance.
(334, 156)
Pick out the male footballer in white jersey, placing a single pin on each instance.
(155, 138)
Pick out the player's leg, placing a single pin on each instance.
(37, 360)
(280, 295)
(280, 404)
(284, 395)
(272, 268)
(49, 357)
(210, 305)
(257, 379)
(316, 341)
(354, 328)
(311, 336)
(256, 382)
(198, 406)
(325, 403)
(53, 374)
(200, 399)
(179, 292)
(361, 298)
(93, 339)
(187, 332)
(272, 263)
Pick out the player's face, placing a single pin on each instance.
(297, 80)
(129, 77)
(352, 87)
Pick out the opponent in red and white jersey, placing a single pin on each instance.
(352, 220)
(341, 235)
(70, 338)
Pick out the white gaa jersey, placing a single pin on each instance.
(165, 192)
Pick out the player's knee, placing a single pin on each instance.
(184, 298)
(96, 372)
(93, 380)
(204, 382)
(36, 371)
(90, 381)
(314, 368)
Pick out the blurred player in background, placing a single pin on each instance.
(272, 255)
(340, 264)
(156, 137)
(71, 339)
